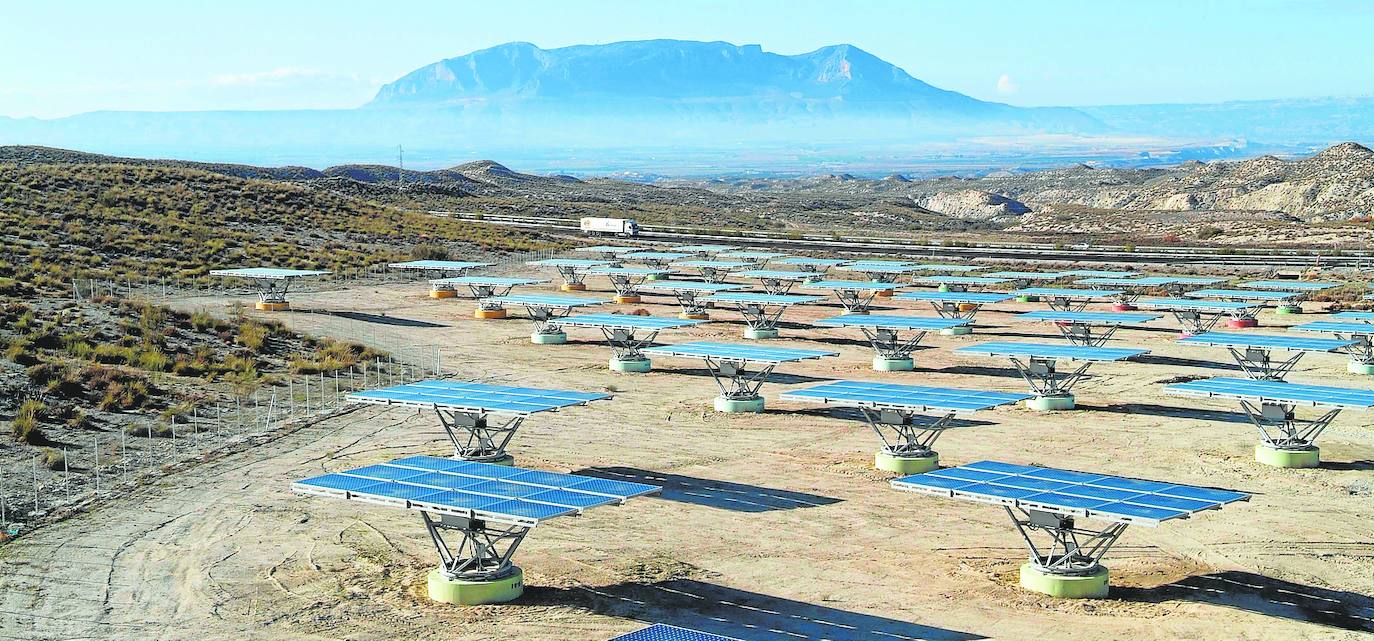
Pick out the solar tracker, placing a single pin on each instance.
(463, 409)
(1098, 273)
(444, 266)
(1243, 295)
(907, 418)
(952, 282)
(1290, 285)
(956, 305)
(1361, 335)
(1047, 506)
(545, 310)
(761, 312)
(752, 256)
(572, 270)
(1037, 365)
(728, 364)
(272, 283)
(877, 270)
(1092, 329)
(480, 288)
(946, 267)
(812, 264)
(627, 280)
(892, 351)
(776, 281)
(855, 295)
(657, 259)
(1143, 281)
(1200, 315)
(1364, 317)
(1285, 439)
(628, 335)
(703, 249)
(1015, 275)
(491, 507)
(713, 271)
(1066, 298)
(608, 251)
(687, 293)
(1253, 352)
(661, 632)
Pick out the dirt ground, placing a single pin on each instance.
(771, 526)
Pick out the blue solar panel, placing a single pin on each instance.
(961, 280)
(738, 352)
(269, 273)
(1065, 292)
(877, 268)
(1354, 316)
(1099, 273)
(625, 321)
(1268, 341)
(1290, 285)
(761, 299)
(717, 264)
(814, 262)
(703, 249)
(1098, 496)
(626, 271)
(1039, 350)
(946, 267)
(482, 490)
(880, 321)
(1028, 275)
(1242, 294)
(980, 298)
(545, 300)
(487, 281)
(1195, 280)
(906, 397)
(750, 255)
(449, 265)
(654, 255)
(1192, 304)
(568, 262)
(849, 284)
(1147, 281)
(777, 274)
(690, 286)
(609, 249)
(660, 632)
(1275, 392)
(476, 397)
(1090, 318)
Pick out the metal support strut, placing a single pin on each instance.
(572, 275)
(273, 291)
(856, 300)
(625, 345)
(888, 344)
(1071, 550)
(688, 300)
(1280, 429)
(481, 292)
(474, 438)
(1362, 351)
(902, 434)
(1259, 366)
(758, 316)
(952, 310)
(1066, 304)
(626, 284)
(735, 381)
(1086, 335)
(777, 286)
(713, 274)
(1197, 322)
(1044, 379)
(546, 318)
(483, 554)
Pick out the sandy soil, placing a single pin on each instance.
(772, 526)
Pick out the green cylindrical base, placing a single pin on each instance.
(1090, 586)
(942, 288)
(1287, 309)
(1360, 368)
(882, 364)
(1027, 299)
(750, 332)
(1051, 403)
(1306, 457)
(631, 366)
(549, 339)
(905, 464)
(446, 590)
(962, 330)
(735, 405)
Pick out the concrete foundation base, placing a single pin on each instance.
(488, 313)
(628, 300)
(1287, 309)
(892, 364)
(886, 293)
(694, 316)
(631, 367)
(734, 405)
(549, 339)
(573, 287)
(442, 293)
(504, 459)
(446, 590)
(1123, 307)
(1089, 586)
(905, 464)
(1242, 323)
(272, 307)
(967, 307)
(750, 332)
(856, 312)
(1307, 457)
(962, 330)
(1027, 299)
(1051, 403)
(1360, 368)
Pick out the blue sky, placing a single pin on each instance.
(65, 57)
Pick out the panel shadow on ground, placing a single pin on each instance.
(1272, 597)
(725, 495)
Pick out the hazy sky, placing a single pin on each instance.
(62, 57)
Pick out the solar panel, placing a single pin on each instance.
(814, 262)
(475, 397)
(1354, 316)
(738, 352)
(608, 249)
(1267, 341)
(487, 491)
(653, 256)
(1242, 294)
(703, 249)
(1192, 304)
(625, 321)
(440, 265)
(487, 281)
(751, 255)
(1090, 495)
(904, 397)
(1041, 350)
(877, 268)
(1015, 275)
(545, 300)
(626, 271)
(1147, 281)
(945, 267)
(1099, 273)
(1261, 391)
(272, 273)
(1066, 292)
(714, 264)
(961, 280)
(760, 299)
(777, 274)
(850, 284)
(879, 321)
(690, 285)
(1090, 318)
(1195, 280)
(1290, 285)
(661, 632)
(568, 262)
(981, 298)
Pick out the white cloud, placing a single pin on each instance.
(1005, 85)
(277, 76)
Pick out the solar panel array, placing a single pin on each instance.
(1147, 281)
(1090, 318)
(1099, 273)
(487, 281)
(1041, 350)
(877, 268)
(946, 267)
(1097, 496)
(849, 284)
(1065, 292)
(545, 300)
(778, 274)
(475, 397)
(760, 299)
(625, 271)
(814, 262)
(1333, 327)
(1028, 275)
(1242, 294)
(881, 321)
(609, 249)
(751, 255)
(442, 265)
(1354, 316)
(690, 285)
(272, 273)
(625, 321)
(738, 352)
(716, 264)
(1267, 341)
(1192, 304)
(1261, 391)
(653, 256)
(980, 298)
(702, 249)
(499, 493)
(961, 280)
(661, 632)
(568, 262)
(916, 398)
(1290, 285)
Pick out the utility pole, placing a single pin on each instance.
(400, 169)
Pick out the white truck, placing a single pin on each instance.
(610, 227)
